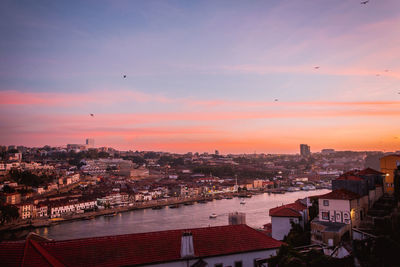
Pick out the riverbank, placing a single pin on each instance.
(173, 202)
(160, 203)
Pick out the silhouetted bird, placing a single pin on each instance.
(316, 67)
(124, 76)
(91, 114)
(276, 100)
(364, 2)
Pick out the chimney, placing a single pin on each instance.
(187, 250)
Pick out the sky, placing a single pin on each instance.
(234, 76)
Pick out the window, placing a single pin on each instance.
(326, 202)
(325, 215)
(218, 265)
(238, 264)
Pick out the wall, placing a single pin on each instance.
(227, 260)
(281, 226)
(358, 187)
(388, 165)
(339, 210)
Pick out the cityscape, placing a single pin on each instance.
(200, 133)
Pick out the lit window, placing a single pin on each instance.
(326, 202)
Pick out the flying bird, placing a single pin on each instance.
(276, 100)
(124, 76)
(364, 2)
(316, 67)
(91, 114)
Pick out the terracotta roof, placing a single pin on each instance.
(136, 249)
(350, 178)
(340, 194)
(289, 210)
(370, 171)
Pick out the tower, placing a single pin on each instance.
(305, 150)
(89, 143)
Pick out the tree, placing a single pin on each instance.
(8, 213)
(8, 189)
(297, 236)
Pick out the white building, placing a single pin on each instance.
(342, 206)
(282, 218)
(221, 246)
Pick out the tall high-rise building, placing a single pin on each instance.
(89, 143)
(305, 150)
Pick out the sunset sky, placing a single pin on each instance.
(201, 75)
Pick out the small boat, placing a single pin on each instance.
(188, 203)
(110, 214)
(156, 207)
(174, 206)
(201, 201)
(242, 202)
(229, 197)
(213, 216)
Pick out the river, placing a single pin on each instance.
(197, 215)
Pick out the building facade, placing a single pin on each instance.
(388, 165)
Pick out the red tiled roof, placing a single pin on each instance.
(136, 249)
(340, 194)
(288, 210)
(350, 178)
(370, 171)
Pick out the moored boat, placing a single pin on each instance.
(213, 216)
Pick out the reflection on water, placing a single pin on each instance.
(138, 221)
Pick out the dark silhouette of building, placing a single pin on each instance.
(305, 150)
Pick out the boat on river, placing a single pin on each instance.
(110, 214)
(243, 202)
(174, 206)
(157, 207)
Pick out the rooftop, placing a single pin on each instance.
(341, 194)
(135, 249)
(288, 210)
(368, 171)
(330, 226)
(350, 178)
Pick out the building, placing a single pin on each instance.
(339, 212)
(365, 182)
(237, 218)
(388, 165)
(89, 143)
(305, 150)
(282, 218)
(232, 245)
(342, 206)
(327, 151)
(12, 198)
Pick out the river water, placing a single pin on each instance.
(197, 215)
